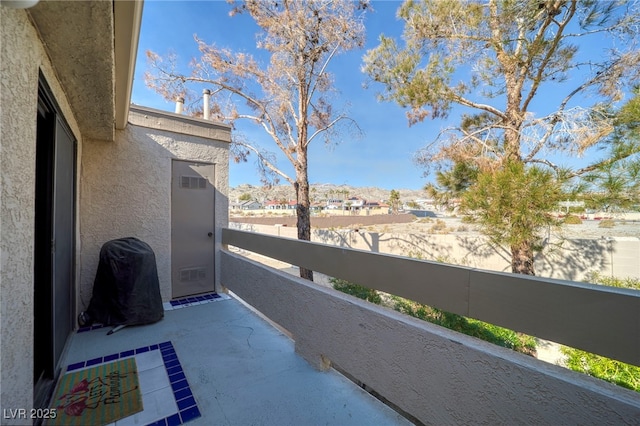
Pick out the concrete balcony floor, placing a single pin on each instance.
(240, 370)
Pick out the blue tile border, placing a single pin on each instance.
(190, 414)
(183, 393)
(111, 357)
(90, 327)
(173, 420)
(194, 300)
(76, 366)
(186, 402)
(94, 361)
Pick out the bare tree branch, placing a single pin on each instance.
(284, 97)
(495, 58)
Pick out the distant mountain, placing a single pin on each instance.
(320, 192)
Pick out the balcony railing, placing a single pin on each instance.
(434, 374)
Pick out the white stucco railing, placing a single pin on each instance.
(436, 375)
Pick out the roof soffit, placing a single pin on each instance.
(79, 38)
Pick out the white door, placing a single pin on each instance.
(192, 228)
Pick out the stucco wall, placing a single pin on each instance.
(22, 56)
(126, 186)
(437, 375)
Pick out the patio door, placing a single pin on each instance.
(54, 242)
(192, 228)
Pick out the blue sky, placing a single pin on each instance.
(382, 157)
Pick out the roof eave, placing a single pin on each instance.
(128, 18)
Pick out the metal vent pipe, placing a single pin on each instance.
(205, 99)
(179, 104)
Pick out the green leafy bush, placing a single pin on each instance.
(439, 227)
(467, 219)
(469, 326)
(597, 278)
(625, 375)
(572, 220)
(356, 290)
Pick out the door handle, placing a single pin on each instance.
(210, 234)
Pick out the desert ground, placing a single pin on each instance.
(628, 226)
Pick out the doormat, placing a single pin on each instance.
(98, 395)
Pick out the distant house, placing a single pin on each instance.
(426, 203)
(318, 206)
(334, 203)
(354, 202)
(246, 205)
(279, 205)
(250, 205)
(376, 207)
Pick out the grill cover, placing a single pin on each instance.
(126, 290)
